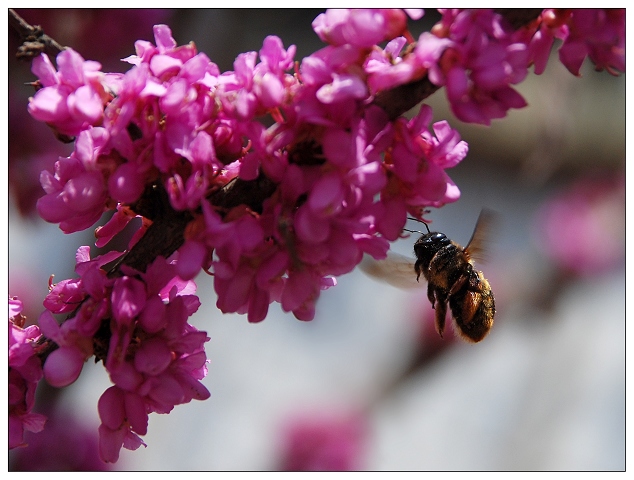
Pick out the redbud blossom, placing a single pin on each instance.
(324, 442)
(25, 370)
(573, 222)
(154, 357)
(72, 98)
(326, 176)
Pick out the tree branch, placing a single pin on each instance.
(33, 39)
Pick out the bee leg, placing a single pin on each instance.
(458, 285)
(441, 313)
(431, 295)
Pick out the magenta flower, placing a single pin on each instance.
(25, 371)
(482, 62)
(339, 177)
(598, 34)
(65, 445)
(63, 365)
(573, 222)
(154, 357)
(324, 443)
(76, 194)
(361, 28)
(326, 217)
(72, 99)
(419, 160)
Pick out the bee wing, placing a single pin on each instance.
(476, 249)
(397, 270)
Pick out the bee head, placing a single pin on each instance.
(428, 244)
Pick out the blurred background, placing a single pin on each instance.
(368, 384)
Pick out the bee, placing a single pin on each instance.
(452, 279)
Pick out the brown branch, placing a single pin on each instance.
(162, 238)
(34, 40)
(403, 98)
(519, 17)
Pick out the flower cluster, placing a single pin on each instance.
(476, 54)
(72, 98)
(590, 32)
(137, 325)
(345, 176)
(25, 371)
(284, 173)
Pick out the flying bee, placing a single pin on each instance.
(451, 279)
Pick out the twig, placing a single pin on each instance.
(34, 40)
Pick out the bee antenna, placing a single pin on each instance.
(412, 231)
(419, 221)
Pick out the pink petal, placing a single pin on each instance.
(110, 443)
(153, 357)
(63, 366)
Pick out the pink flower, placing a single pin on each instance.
(360, 27)
(25, 371)
(420, 158)
(116, 224)
(484, 60)
(76, 194)
(576, 220)
(72, 99)
(324, 442)
(598, 34)
(64, 364)
(66, 445)
(118, 411)
(155, 359)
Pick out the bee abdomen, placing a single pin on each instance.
(473, 308)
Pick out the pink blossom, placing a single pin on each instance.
(360, 27)
(154, 357)
(25, 371)
(421, 157)
(481, 63)
(574, 221)
(72, 99)
(126, 185)
(327, 214)
(164, 364)
(386, 68)
(66, 444)
(324, 442)
(598, 34)
(63, 365)
(116, 224)
(341, 87)
(76, 194)
(342, 177)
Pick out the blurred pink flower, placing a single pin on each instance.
(324, 442)
(582, 228)
(361, 28)
(64, 445)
